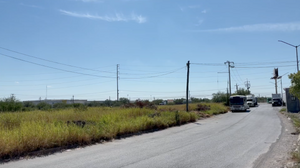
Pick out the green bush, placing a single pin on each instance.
(10, 104)
(61, 105)
(43, 106)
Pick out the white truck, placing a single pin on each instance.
(251, 100)
(276, 100)
(238, 103)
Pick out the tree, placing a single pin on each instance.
(219, 97)
(95, 104)
(108, 102)
(295, 88)
(43, 106)
(124, 100)
(10, 104)
(199, 100)
(242, 92)
(179, 101)
(28, 104)
(195, 100)
(61, 105)
(157, 101)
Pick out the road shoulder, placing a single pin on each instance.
(279, 154)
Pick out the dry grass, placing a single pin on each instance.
(24, 132)
(215, 108)
(296, 122)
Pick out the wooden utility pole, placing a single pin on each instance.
(247, 84)
(237, 87)
(275, 77)
(117, 82)
(187, 86)
(229, 66)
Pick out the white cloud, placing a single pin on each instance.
(117, 17)
(31, 6)
(294, 26)
(204, 11)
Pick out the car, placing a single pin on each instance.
(276, 102)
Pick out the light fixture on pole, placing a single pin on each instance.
(296, 52)
(280, 77)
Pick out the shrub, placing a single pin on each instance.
(61, 105)
(10, 104)
(80, 107)
(202, 107)
(140, 104)
(43, 106)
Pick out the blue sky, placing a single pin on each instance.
(60, 48)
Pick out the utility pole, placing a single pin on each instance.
(187, 86)
(46, 92)
(237, 87)
(117, 82)
(276, 85)
(247, 84)
(229, 66)
(275, 77)
(227, 101)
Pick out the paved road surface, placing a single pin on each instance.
(232, 140)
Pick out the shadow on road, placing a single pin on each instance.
(248, 111)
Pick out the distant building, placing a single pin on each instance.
(55, 101)
(292, 102)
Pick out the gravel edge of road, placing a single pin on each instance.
(279, 154)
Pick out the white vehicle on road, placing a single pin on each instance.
(251, 100)
(238, 103)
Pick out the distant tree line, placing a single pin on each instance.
(12, 104)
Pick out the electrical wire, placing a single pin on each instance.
(266, 66)
(54, 67)
(208, 64)
(154, 76)
(53, 61)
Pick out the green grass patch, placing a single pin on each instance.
(283, 110)
(213, 108)
(25, 132)
(296, 121)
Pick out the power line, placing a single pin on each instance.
(54, 67)
(54, 61)
(263, 63)
(153, 91)
(208, 64)
(63, 83)
(267, 66)
(154, 76)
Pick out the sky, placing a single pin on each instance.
(57, 49)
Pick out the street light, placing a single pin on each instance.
(296, 52)
(280, 77)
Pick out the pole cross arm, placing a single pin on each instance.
(296, 51)
(287, 43)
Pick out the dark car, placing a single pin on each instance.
(276, 102)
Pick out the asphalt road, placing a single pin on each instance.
(232, 140)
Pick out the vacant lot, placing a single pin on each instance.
(24, 132)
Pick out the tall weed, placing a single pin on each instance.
(23, 132)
